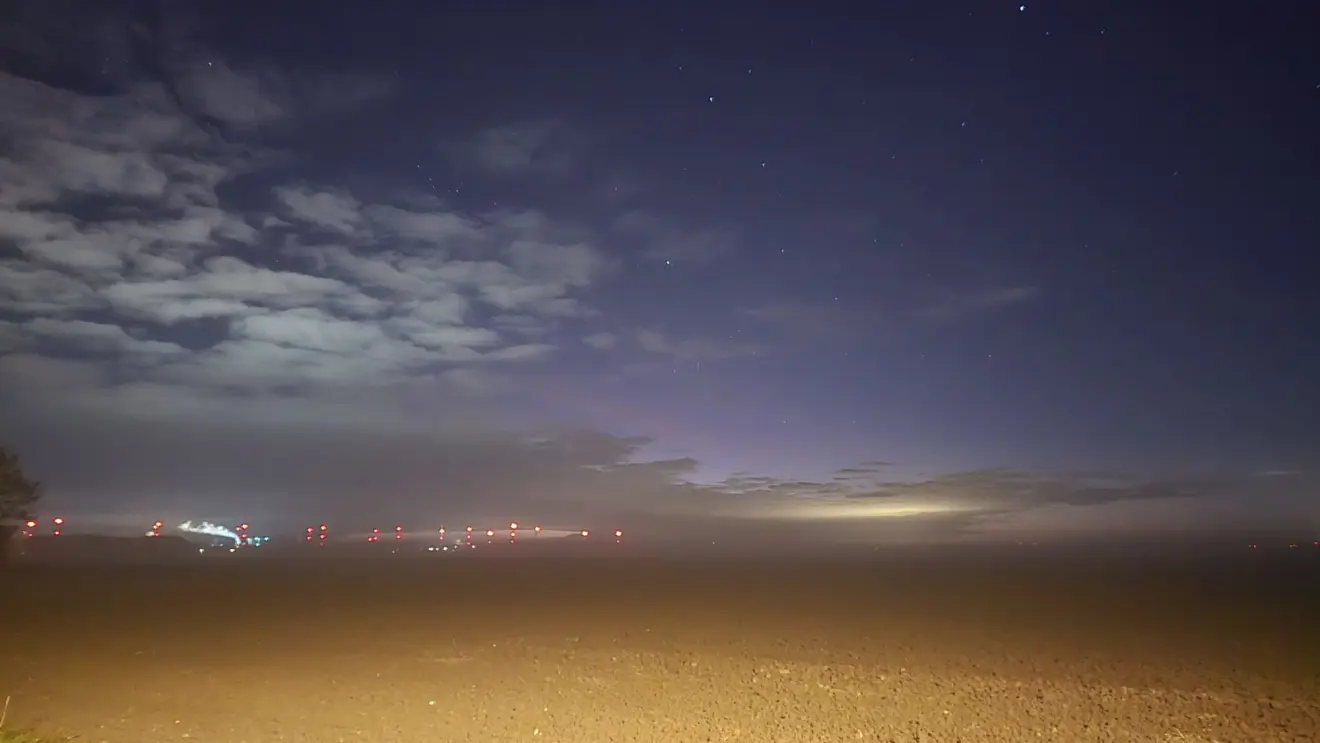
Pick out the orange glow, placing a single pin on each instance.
(323, 527)
(469, 530)
(513, 524)
(586, 533)
(618, 533)
(31, 524)
(490, 532)
(58, 521)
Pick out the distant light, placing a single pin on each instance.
(56, 533)
(243, 526)
(469, 530)
(310, 530)
(586, 533)
(57, 521)
(323, 527)
(31, 524)
(618, 533)
(513, 524)
(538, 530)
(490, 532)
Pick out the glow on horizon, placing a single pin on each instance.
(826, 510)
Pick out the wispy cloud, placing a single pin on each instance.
(951, 305)
(663, 239)
(695, 349)
(540, 147)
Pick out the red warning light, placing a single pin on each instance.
(55, 533)
(243, 527)
(31, 524)
(398, 528)
(375, 531)
(57, 521)
(310, 530)
(469, 530)
(323, 527)
(490, 532)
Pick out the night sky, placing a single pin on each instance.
(897, 271)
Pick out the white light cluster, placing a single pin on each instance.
(209, 529)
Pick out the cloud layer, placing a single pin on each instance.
(186, 323)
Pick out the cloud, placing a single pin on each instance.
(820, 321)
(951, 306)
(126, 252)
(540, 147)
(663, 239)
(694, 349)
(601, 340)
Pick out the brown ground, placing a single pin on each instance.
(592, 650)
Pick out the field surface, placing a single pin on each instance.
(890, 648)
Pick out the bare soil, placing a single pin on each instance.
(593, 650)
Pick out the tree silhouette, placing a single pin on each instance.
(18, 495)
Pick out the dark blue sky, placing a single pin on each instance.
(262, 261)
